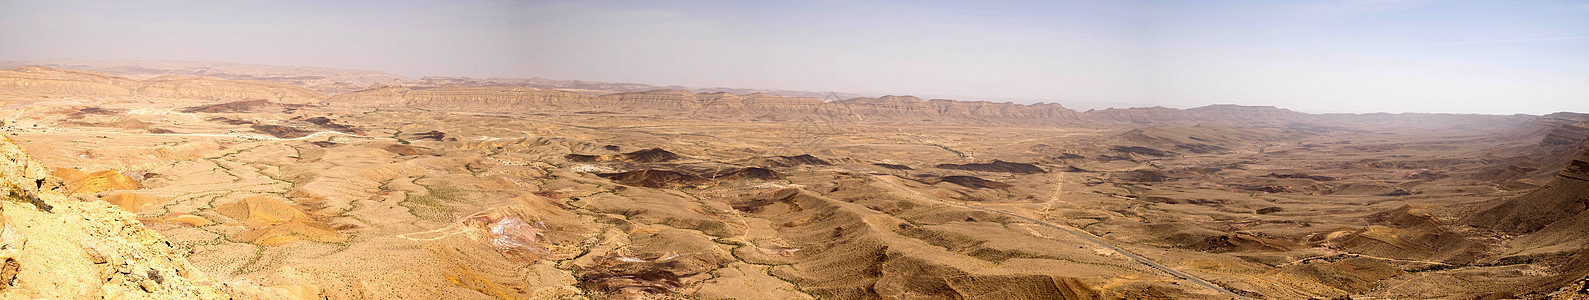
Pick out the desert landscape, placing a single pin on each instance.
(161, 181)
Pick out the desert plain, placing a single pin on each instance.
(476, 189)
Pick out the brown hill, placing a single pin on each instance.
(78, 181)
(782, 161)
(974, 182)
(654, 178)
(257, 105)
(996, 166)
(650, 156)
(751, 173)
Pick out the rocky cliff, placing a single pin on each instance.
(1564, 128)
(36, 80)
(56, 247)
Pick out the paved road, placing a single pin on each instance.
(1078, 233)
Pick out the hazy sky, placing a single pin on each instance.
(1317, 56)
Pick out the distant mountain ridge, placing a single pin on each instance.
(339, 81)
(580, 97)
(766, 107)
(599, 87)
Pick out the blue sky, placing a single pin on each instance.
(1355, 56)
(1498, 57)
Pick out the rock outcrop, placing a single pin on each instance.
(56, 247)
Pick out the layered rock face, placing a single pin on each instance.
(1565, 134)
(35, 80)
(56, 247)
(1561, 199)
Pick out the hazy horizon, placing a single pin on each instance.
(1312, 56)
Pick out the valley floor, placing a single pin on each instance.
(348, 202)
